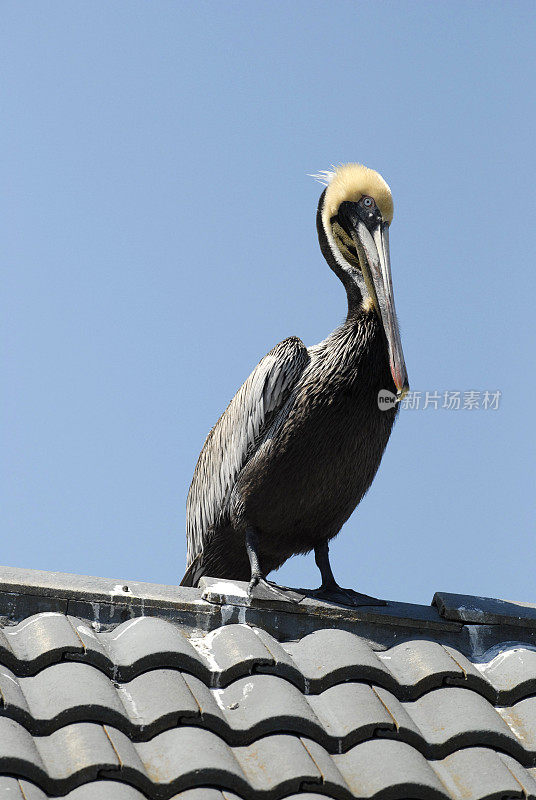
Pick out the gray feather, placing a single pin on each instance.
(236, 437)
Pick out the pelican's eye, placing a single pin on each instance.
(368, 202)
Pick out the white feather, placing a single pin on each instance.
(325, 176)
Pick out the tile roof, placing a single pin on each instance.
(124, 691)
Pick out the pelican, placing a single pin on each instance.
(301, 441)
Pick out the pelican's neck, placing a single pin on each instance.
(353, 293)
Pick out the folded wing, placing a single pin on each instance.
(236, 436)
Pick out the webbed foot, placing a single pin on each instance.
(261, 589)
(345, 597)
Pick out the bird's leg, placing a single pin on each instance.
(330, 589)
(265, 590)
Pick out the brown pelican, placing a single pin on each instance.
(299, 444)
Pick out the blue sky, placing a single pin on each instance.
(158, 231)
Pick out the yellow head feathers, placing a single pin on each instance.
(351, 182)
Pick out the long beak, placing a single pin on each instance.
(373, 251)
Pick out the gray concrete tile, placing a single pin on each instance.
(209, 704)
(306, 796)
(282, 663)
(263, 704)
(351, 712)
(105, 790)
(188, 757)
(13, 699)
(473, 678)
(525, 777)
(131, 764)
(511, 671)
(10, 789)
(232, 652)
(94, 650)
(76, 753)
(146, 643)
(40, 640)
(157, 699)
(420, 665)
(278, 764)
(450, 718)
(395, 768)
(30, 791)
(476, 773)
(331, 779)
(328, 657)
(404, 724)
(65, 693)
(205, 793)
(521, 719)
(18, 751)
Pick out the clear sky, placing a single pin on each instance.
(158, 238)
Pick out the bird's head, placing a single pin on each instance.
(354, 214)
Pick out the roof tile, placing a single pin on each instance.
(388, 766)
(231, 652)
(188, 757)
(144, 643)
(329, 656)
(156, 700)
(76, 753)
(18, 751)
(279, 762)
(478, 773)
(38, 641)
(104, 790)
(13, 789)
(63, 693)
(155, 709)
(420, 664)
(511, 671)
(521, 719)
(351, 712)
(453, 717)
(263, 704)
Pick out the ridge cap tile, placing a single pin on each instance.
(484, 610)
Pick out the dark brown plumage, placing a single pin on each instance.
(305, 435)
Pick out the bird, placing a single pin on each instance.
(300, 443)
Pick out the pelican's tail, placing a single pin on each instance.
(194, 572)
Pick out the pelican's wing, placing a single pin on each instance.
(235, 437)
